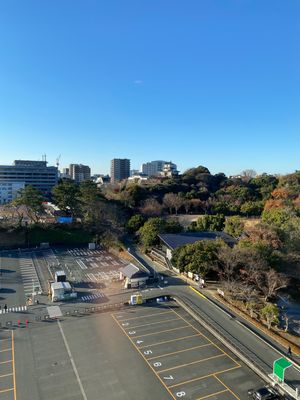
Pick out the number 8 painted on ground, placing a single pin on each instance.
(180, 394)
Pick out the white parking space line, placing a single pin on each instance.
(72, 361)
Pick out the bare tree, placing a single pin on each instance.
(249, 174)
(228, 264)
(273, 281)
(178, 202)
(187, 205)
(168, 201)
(286, 319)
(151, 208)
(173, 201)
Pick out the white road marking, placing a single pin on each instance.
(72, 360)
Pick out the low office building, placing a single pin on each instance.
(10, 191)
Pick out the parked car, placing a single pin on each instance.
(264, 393)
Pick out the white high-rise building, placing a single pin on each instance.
(153, 168)
(159, 168)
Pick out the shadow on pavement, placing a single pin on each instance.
(6, 290)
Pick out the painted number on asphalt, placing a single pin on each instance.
(125, 324)
(180, 394)
(139, 341)
(131, 332)
(169, 377)
(157, 364)
(147, 352)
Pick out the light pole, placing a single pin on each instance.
(32, 291)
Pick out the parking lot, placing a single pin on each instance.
(83, 266)
(7, 367)
(185, 358)
(94, 275)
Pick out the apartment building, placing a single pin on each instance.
(79, 172)
(120, 169)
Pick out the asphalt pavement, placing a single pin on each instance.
(256, 345)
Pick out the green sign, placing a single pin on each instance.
(279, 368)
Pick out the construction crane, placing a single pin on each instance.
(57, 161)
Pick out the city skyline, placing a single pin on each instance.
(211, 83)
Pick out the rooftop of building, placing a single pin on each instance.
(174, 240)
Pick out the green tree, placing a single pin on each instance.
(234, 226)
(150, 230)
(32, 199)
(277, 217)
(172, 227)
(135, 223)
(251, 208)
(199, 257)
(66, 196)
(211, 222)
(270, 313)
(90, 198)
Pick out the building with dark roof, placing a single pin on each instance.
(170, 241)
(133, 276)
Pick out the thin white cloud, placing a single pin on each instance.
(138, 82)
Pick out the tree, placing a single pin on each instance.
(151, 208)
(90, 198)
(234, 226)
(211, 222)
(277, 216)
(150, 230)
(32, 199)
(263, 234)
(273, 281)
(251, 208)
(286, 319)
(270, 313)
(135, 223)
(249, 174)
(133, 195)
(66, 196)
(229, 261)
(173, 201)
(172, 227)
(199, 257)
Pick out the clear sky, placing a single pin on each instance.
(198, 82)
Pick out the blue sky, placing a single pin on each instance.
(198, 82)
